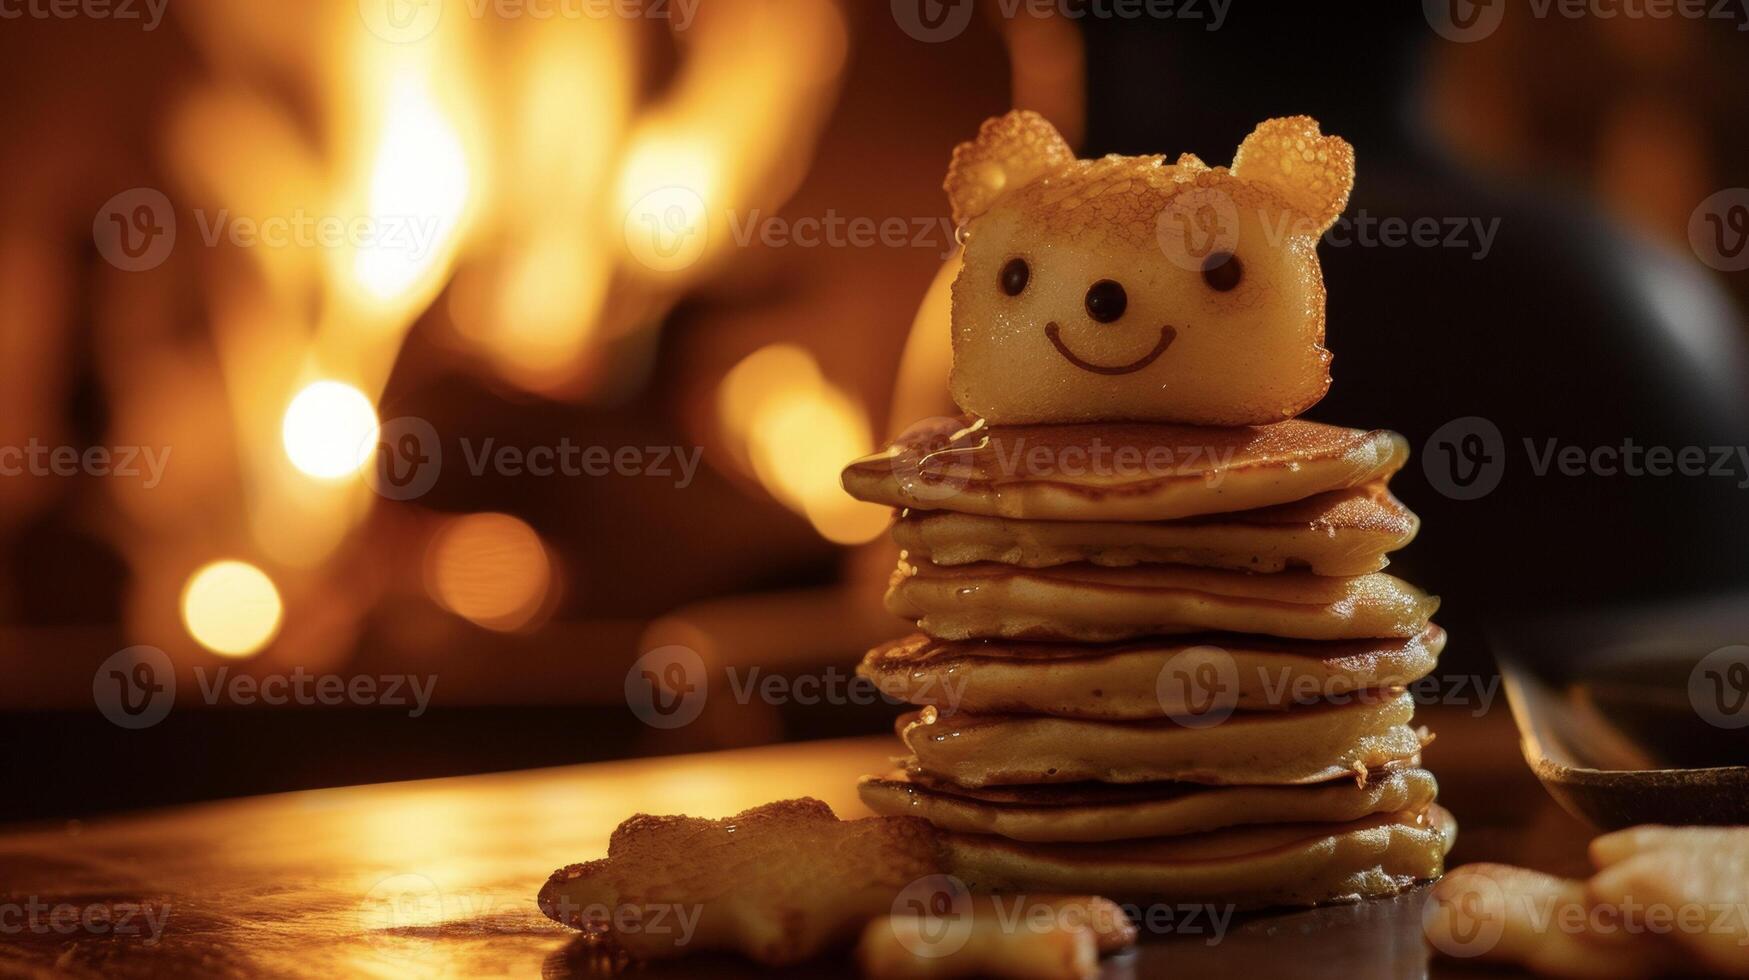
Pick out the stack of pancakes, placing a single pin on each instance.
(1158, 661)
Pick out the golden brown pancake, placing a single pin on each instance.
(1085, 814)
(1305, 745)
(1141, 678)
(1250, 867)
(1118, 471)
(1497, 913)
(1343, 532)
(1683, 868)
(1093, 604)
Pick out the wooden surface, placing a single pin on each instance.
(438, 878)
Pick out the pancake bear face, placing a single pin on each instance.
(1133, 288)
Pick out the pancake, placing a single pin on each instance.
(1305, 745)
(1133, 680)
(1343, 532)
(1248, 867)
(1053, 814)
(1118, 471)
(1094, 604)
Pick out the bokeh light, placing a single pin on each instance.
(330, 430)
(796, 431)
(490, 569)
(231, 608)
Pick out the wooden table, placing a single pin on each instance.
(439, 877)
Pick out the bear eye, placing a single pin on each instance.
(1106, 301)
(1222, 271)
(1014, 276)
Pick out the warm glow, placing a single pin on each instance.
(418, 187)
(231, 607)
(536, 305)
(753, 87)
(747, 388)
(921, 390)
(548, 300)
(330, 430)
(525, 168)
(490, 569)
(798, 431)
(663, 194)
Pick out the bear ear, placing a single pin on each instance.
(1311, 171)
(1010, 152)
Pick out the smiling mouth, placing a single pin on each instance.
(1167, 336)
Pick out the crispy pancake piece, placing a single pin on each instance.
(1248, 867)
(1698, 876)
(1118, 471)
(1342, 532)
(1502, 914)
(1093, 604)
(1043, 936)
(1133, 680)
(778, 883)
(1304, 745)
(1172, 809)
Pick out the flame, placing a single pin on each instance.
(753, 67)
(536, 302)
(499, 158)
(418, 187)
(796, 431)
(665, 192)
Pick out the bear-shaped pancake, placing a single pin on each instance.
(1134, 288)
